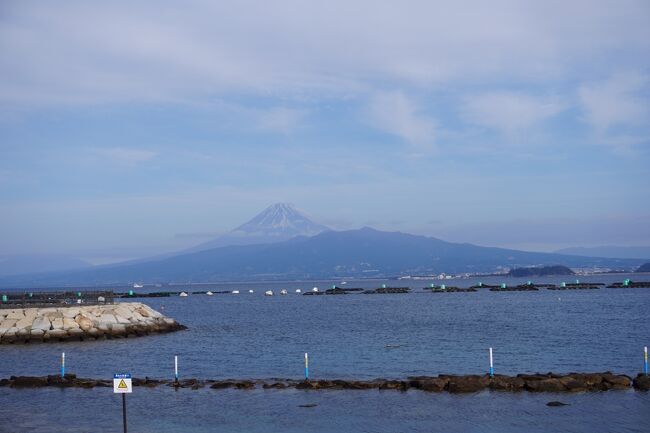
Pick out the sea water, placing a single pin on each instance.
(356, 337)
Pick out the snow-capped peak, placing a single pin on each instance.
(281, 219)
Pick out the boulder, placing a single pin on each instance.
(469, 383)
(545, 385)
(117, 329)
(142, 312)
(430, 384)
(57, 323)
(10, 335)
(8, 323)
(36, 333)
(57, 333)
(107, 318)
(70, 312)
(573, 385)
(15, 314)
(84, 322)
(642, 382)
(357, 384)
(274, 385)
(41, 323)
(590, 380)
(23, 332)
(506, 383)
(69, 324)
(28, 382)
(25, 322)
(617, 381)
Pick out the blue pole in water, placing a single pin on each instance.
(491, 364)
(62, 364)
(306, 366)
(645, 360)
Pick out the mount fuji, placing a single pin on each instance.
(276, 223)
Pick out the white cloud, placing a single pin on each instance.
(621, 101)
(510, 113)
(104, 52)
(397, 114)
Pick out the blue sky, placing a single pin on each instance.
(132, 129)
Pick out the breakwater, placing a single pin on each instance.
(91, 322)
(548, 382)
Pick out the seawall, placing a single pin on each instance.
(82, 323)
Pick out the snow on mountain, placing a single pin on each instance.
(280, 219)
(276, 223)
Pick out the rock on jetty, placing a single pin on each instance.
(549, 382)
(82, 322)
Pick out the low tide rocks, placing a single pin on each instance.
(549, 382)
(82, 323)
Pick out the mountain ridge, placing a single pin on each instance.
(333, 254)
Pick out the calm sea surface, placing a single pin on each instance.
(351, 336)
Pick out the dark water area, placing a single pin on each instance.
(352, 336)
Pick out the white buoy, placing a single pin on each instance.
(209, 293)
(183, 294)
(315, 289)
(268, 293)
(251, 291)
(235, 292)
(298, 291)
(283, 292)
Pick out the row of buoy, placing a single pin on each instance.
(285, 292)
(236, 292)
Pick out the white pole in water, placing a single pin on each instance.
(176, 367)
(63, 364)
(306, 366)
(491, 364)
(645, 360)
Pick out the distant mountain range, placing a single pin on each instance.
(609, 251)
(331, 254)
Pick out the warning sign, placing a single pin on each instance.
(122, 383)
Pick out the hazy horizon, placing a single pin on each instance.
(129, 130)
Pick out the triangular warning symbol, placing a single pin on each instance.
(122, 385)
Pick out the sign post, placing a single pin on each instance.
(122, 385)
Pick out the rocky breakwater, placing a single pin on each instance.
(82, 323)
(549, 382)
